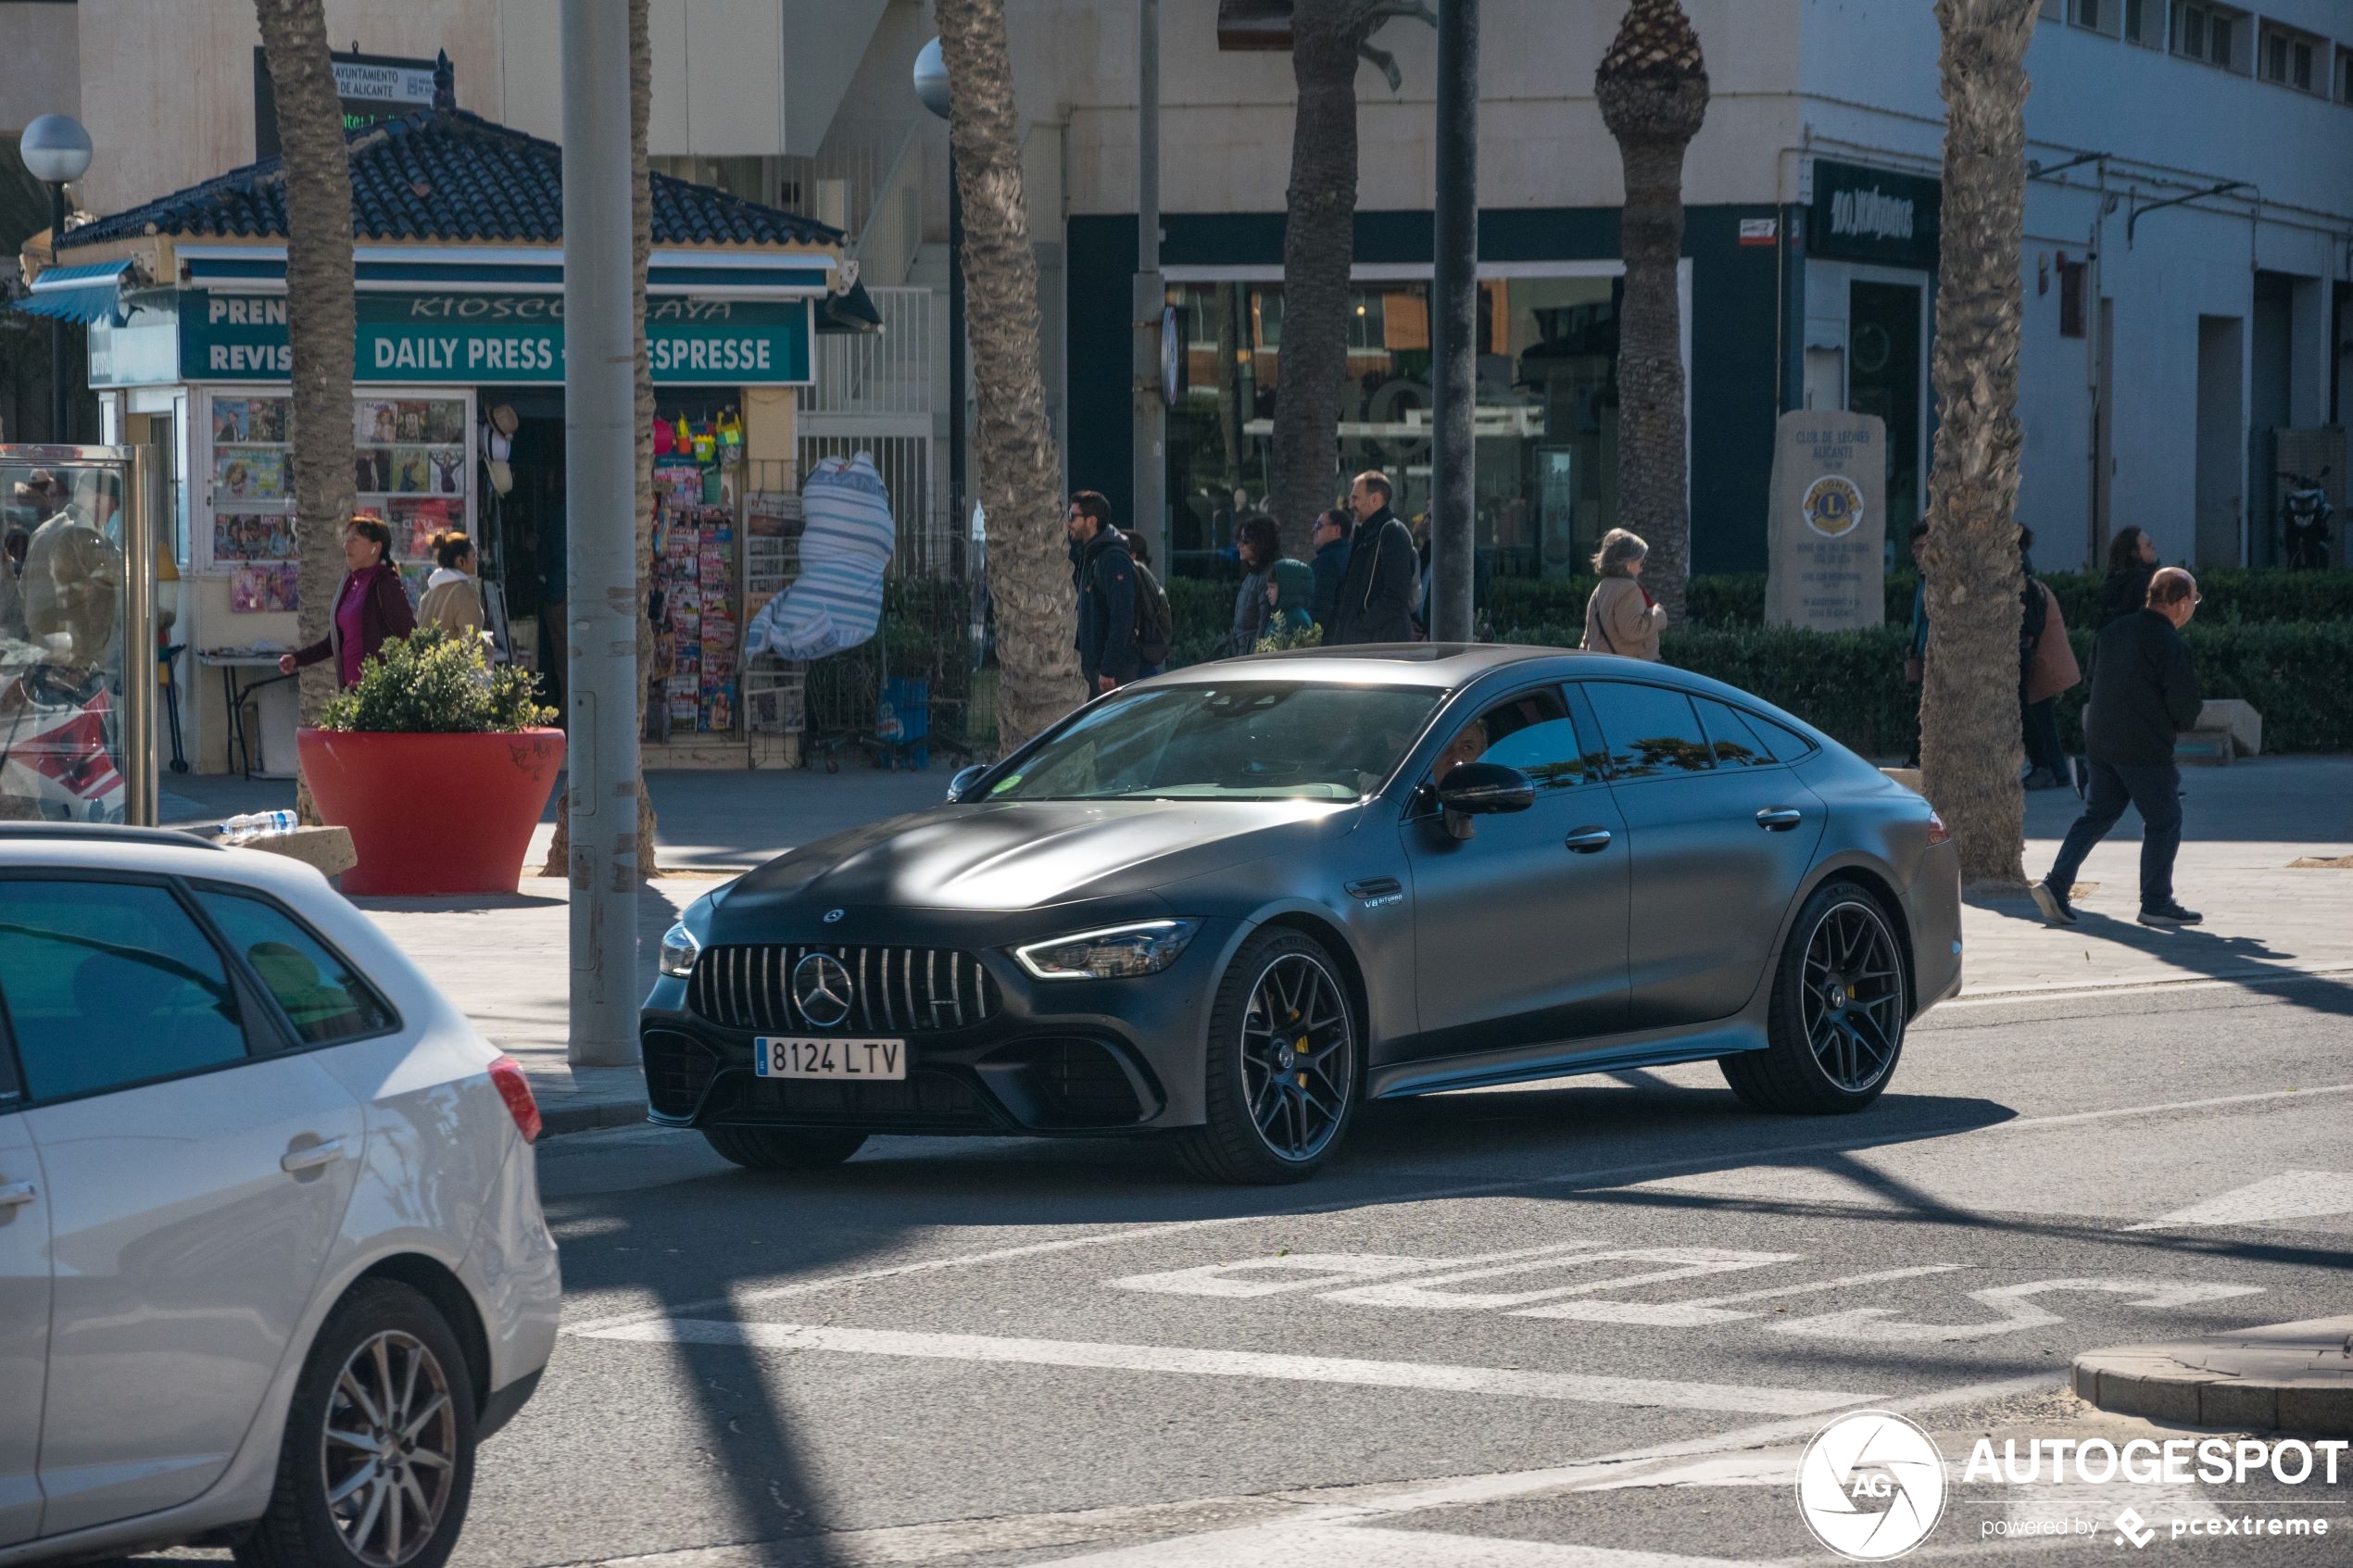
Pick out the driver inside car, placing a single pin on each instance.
(1468, 746)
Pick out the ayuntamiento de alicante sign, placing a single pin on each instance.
(499, 338)
(1828, 522)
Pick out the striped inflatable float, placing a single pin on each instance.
(837, 600)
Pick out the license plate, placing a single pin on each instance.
(794, 1056)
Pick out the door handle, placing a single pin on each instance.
(16, 1194)
(1780, 819)
(297, 1160)
(1588, 841)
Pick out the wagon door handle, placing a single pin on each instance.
(1780, 819)
(1588, 841)
(16, 1194)
(311, 1156)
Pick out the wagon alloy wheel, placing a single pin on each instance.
(1298, 1056)
(388, 1456)
(1852, 995)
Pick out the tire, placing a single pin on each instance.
(1842, 997)
(784, 1148)
(303, 1528)
(1307, 1108)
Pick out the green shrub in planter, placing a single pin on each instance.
(434, 682)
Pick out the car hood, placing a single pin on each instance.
(1024, 855)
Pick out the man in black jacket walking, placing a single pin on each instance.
(1376, 592)
(1104, 575)
(2144, 694)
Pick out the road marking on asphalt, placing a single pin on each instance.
(1616, 1174)
(1685, 1263)
(1701, 1311)
(1650, 1392)
(1363, 1545)
(2228, 979)
(2291, 1194)
(2014, 1307)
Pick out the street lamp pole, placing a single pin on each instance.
(55, 151)
(1148, 515)
(1455, 324)
(600, 478)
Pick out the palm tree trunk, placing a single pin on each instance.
(1653, 91)
(1020, 471)
(1319, 244)
(1970, 744)
(320, 320)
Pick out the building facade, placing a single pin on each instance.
(2189, 235)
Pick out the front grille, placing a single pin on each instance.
(678, 1068)
(1075, 1083)
(893, 990)
(923, 1099)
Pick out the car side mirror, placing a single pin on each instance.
(1480, 789)
(965, 778)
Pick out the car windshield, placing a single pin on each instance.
(1246, 740)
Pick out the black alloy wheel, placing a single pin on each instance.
(1283, 1064)
(1842, 994)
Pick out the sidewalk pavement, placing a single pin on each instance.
(2284, 1377)
(504, 959)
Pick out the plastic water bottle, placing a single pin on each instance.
(256, 824)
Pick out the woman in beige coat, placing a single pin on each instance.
(452, 600)
(1621, 617)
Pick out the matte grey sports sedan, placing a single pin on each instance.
(1231, 904)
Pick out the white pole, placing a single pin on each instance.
(600, 488)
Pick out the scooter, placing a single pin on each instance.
(2304, 521)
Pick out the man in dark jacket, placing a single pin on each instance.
(1376, 591)
(1103, 575)
(2144, 694)
(1330, 564)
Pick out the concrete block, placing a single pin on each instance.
(328, 850)
(2323, 1409)
(2254, 1406)
(2204, 749)
(2240, 719)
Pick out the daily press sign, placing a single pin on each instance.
(503, 339)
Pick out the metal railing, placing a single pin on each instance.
(891, 229)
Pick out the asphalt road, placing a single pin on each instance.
(1582, 1325)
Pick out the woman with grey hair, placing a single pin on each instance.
(1621, 617)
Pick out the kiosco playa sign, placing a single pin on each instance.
(507, 338)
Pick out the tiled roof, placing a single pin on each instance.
(447, 175)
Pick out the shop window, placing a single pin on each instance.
(2288, 58)
(1546, 417)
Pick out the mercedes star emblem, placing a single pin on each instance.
(832, 915)
(820, 989)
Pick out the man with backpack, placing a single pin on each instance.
(1123, 614)
(1381, 587)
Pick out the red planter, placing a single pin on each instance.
(432, 814)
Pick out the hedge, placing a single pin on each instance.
(1731, 599)
(1850, 684)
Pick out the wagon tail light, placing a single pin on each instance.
(1937, 831)
(515, 1089)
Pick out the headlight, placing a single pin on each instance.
(679, 951)
(1114, 953)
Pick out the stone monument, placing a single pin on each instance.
(1828, 522)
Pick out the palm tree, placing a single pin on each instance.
(1327, 38)
(320, 317)
(1653, 87)
(1969, 743)
(1020, 471)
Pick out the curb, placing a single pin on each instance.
(2284, 1377)
(557, 1120)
